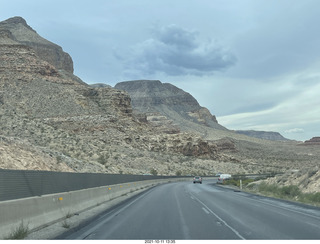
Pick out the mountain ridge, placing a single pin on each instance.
(22, 33)
(48, 113)
(153, 96)
(90, 129)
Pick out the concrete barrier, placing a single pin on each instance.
(36, 212)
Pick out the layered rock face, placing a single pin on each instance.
(34, 87)
(37, 89)
(38, 82)
(152, 96)
(21, 33)
(312, 141)
(149, 94)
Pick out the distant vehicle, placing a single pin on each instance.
(222, 178)
(218, 174)
(197, 179)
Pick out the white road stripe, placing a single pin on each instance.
(224, 222)
(206, 211)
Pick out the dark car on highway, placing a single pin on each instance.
(197, 179)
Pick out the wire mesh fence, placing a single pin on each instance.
(15, 184)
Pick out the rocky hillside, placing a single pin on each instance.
(307, 179)
(19, 154)
(52, 120)
(88, 129)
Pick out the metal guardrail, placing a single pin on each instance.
(255, 176)
(16, 184)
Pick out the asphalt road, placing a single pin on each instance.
(184, 210)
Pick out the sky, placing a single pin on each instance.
(255, 64)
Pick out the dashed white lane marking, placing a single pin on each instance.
(205, 210)
(224, 222)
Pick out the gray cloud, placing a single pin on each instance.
(175, 51)
(285, 39)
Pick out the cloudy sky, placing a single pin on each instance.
(255, 64)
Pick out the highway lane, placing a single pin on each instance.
(184, 210)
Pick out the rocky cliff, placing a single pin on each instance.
(266, 135)
(153, 96)
(20, 32)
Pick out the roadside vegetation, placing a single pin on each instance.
(291, 192)
(236, 182)
(19, 233)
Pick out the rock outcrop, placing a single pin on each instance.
(19, 32)
(153, 96)
(313, 141)
(35, 87)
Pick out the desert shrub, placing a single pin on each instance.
(19, 233)
(103, 159)
(236, 182)
(65, 224)
(268, 188)
(154, 172)
(311, 197)
(230, 181)
(289, 191)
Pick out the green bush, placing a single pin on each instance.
(291, 192)
(236, 182)
(154, 172)
(264, 187)
(283, 192)
(311, 198)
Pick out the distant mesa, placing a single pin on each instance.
(313, 141)
(267, 135)
(154, 97)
